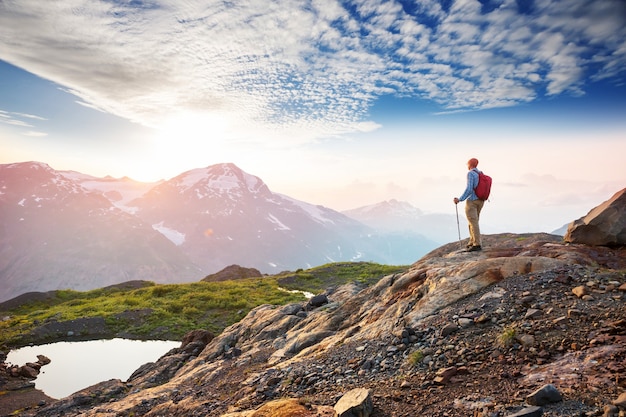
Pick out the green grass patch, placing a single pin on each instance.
(507, 337)
(318, 279)
(171, 310)
(415, 357)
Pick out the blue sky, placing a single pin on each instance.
(340, 103)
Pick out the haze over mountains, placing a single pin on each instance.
(62, 229)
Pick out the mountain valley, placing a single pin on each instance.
(67, 230)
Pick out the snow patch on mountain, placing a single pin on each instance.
(358, 256)
(32, 165)
(280, 225)
(317, 213)
(390, 208)
(222, 178)
(174, 236)
(119, 191)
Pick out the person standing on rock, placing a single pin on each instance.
(473, 206)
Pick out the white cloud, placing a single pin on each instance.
(15, 122)
(300, 71)
(21, 120)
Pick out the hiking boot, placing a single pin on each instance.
(474, 248)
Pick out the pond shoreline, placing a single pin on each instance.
(22, 399)
(21, 390)
(18, 392)
(67, 367)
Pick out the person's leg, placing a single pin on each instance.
(479, 206)
(472, 212)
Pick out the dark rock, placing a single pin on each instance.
(444, 375)
(528, 412)
(545, 395)
(43, 360)
(28, 372)
(449, 329)
(232, 353)
(318, 300)
(202, 336)
(533, 313)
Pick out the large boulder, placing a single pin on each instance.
(355, 403)
(604, 225)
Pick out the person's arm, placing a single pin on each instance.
(472, 182)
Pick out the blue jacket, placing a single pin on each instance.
(472, 182)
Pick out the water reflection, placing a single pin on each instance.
(77, 365)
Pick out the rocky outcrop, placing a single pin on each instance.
(30, 370)
(484, 333)
(233, 272)
(17, 389)
(157, 373)
(604, 225)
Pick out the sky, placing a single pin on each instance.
(338, 103)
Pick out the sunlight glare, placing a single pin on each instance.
(184, 140)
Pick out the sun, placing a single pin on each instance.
(181, 142)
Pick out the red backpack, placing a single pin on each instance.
(483, 188)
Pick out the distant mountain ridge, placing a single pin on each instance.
(119, 191)
(393, 216)
(220, 213)
(55, 234)
(64, 229)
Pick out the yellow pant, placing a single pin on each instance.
(472, 212)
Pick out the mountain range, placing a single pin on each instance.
(65, 229)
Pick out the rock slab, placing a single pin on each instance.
(604, 225)
(355, 403)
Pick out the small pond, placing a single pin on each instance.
(78, 365)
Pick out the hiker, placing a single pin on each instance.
(473, 205)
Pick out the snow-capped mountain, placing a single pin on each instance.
(221, 215)
(55, 234)
(64, 229)
(395, 216)
(391, 215)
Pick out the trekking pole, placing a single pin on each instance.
(456, 206)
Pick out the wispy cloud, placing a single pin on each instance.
(310, 69)
(29, 116)
(22, 121)
(35, 134)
